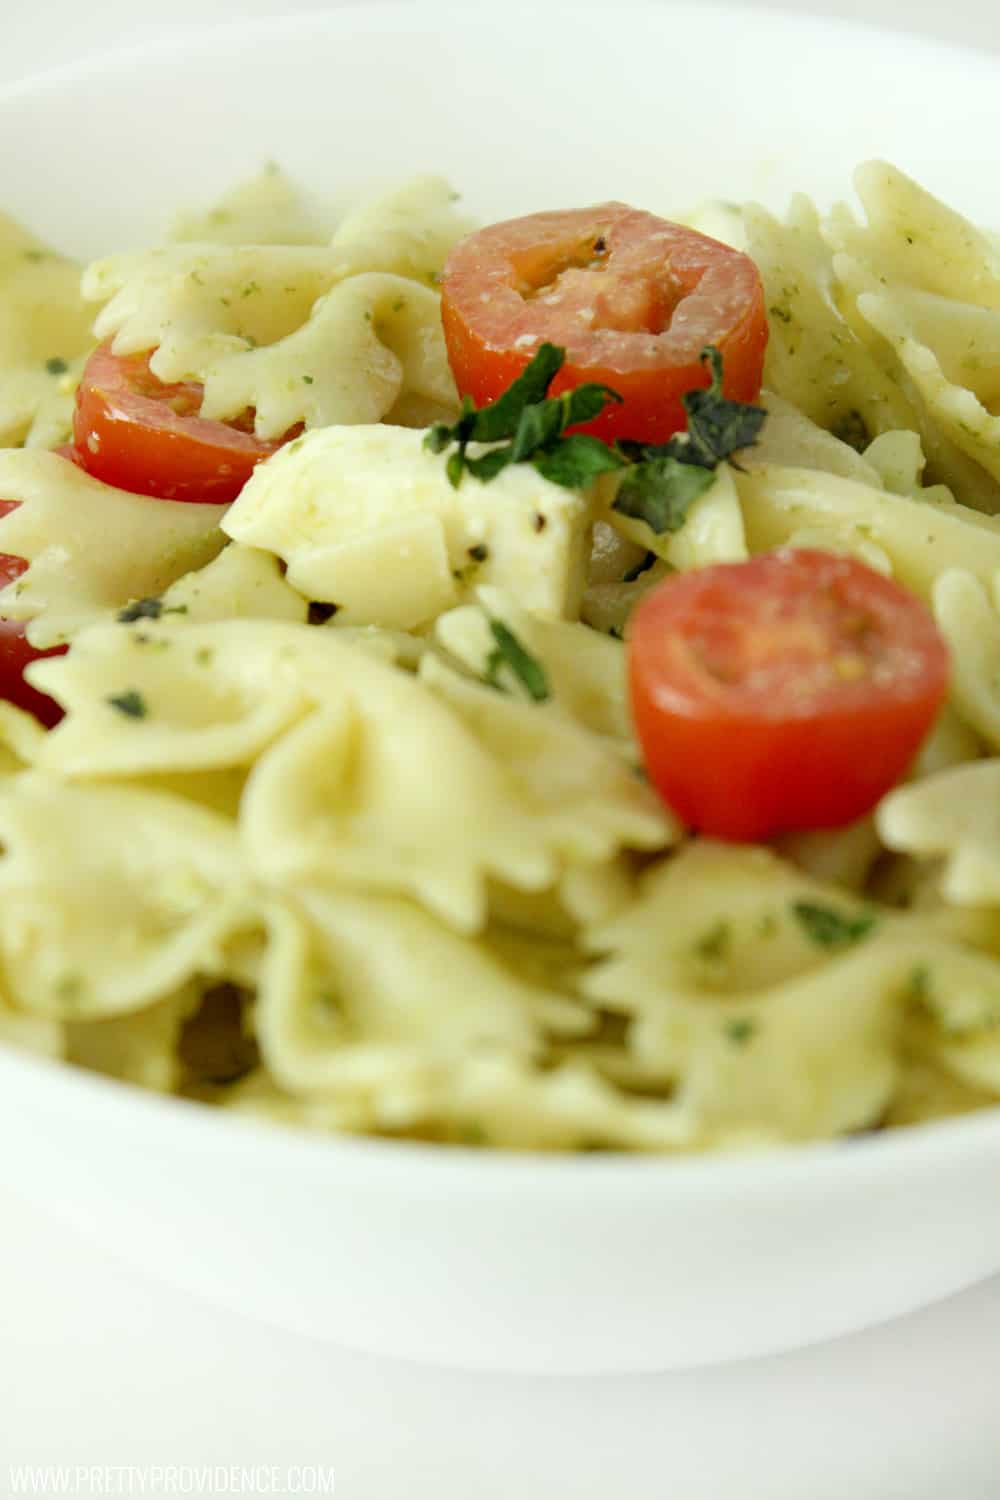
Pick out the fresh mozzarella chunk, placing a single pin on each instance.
(345, 506)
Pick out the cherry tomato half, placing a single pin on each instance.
(633, 300)
(15, 653)
(787, 692)
(132, 431)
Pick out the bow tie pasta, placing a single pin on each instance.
(345, 823)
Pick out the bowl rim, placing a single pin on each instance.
(379, 15)
(416, 1164)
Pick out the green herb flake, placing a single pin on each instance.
(149, 608)
(714, 944)
(919, 987)
(740, 1030)
(307, 380)
(204, 656)
(56, 365)
(69, 989)
(479, 553)
(828, 928)
(538, 521)
(509, 653)
(130, 703)
(35, 256)
(250, 290)
(781, 313)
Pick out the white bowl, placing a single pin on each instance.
(458, 1256)
(491, 1260)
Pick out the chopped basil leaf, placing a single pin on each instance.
(532, 427)
(832, 929)
(56, 366)
(150, 608)
(662, 480)
(667, 478)
(486, 467)
(454, 466)
(661, 492)
(585, 402)
(479, 553)
(500, 419)
(130, 703)
(718, 427)
(537, 427)
(576, 461)
(508, 652)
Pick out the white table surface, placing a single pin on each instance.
(101, 1367)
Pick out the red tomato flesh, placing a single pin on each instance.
(633, 299)
(135, 432)
(788, 692)
(15, 652)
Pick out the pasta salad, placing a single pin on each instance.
(531, 686)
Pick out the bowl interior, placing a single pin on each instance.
(661, 105)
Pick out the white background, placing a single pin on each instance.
(99, 1366)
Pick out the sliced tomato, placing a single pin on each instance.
(633, 300)
(787, 692)
(132, 431)
(15, 655)
(15, 652)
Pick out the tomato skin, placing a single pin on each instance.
(15, 655)
(132, 431)
(788, 692)
(15, 652)
(619, 278)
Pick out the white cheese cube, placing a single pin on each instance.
(365, 518)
